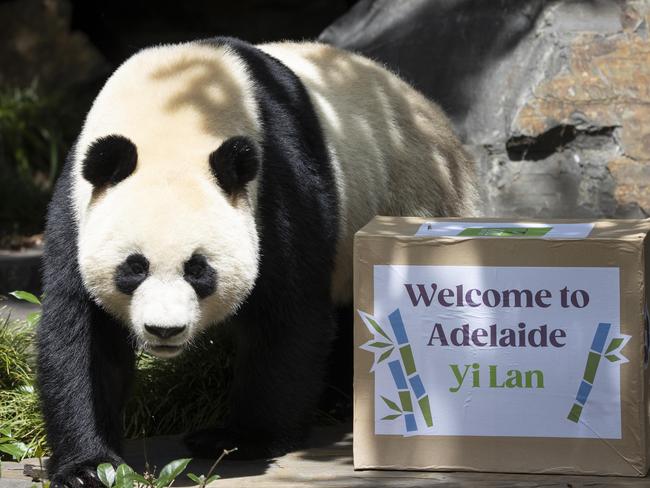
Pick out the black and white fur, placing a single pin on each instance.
(217, 180)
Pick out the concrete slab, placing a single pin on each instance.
(327, 464)
(20, 270)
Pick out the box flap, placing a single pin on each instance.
(464, 228)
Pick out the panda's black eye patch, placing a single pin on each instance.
(199, 274)
(235, 163)
(109, 160)
(131, 273)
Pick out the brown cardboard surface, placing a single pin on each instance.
(387, 240)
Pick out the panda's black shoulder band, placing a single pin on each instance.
(109, 160)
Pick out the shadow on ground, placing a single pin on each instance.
(326, 445)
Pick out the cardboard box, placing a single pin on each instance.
(489, 345)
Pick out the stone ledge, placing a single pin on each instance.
(20, 270)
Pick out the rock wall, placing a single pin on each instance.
(552, 98)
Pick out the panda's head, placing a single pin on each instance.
(165, 194)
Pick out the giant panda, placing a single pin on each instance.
(216, 180)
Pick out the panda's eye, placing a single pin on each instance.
(194, 268)
(131, 273)
(137, 268)
(138, 264)
(199, 274)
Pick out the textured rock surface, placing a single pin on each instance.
(552, 98)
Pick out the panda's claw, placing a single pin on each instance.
(84, 477)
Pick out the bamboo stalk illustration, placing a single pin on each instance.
(404, 395)
(593, 360)
(408, 362)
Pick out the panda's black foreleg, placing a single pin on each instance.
(85, 364)
(85, 359)
(278, 379)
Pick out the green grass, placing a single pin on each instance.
(169, 397)
(182, 394)
(19, 409)
(16, 340)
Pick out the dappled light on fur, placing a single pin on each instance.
(209, 89)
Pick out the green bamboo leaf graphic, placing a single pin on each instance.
(392, 405)
(392, 417)
(379, 344)
(375, 326)
(385, 355)
(612, 358)
(615, 344)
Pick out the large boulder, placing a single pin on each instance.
(551, 97)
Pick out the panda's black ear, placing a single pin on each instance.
(109, 160)
(235, 164)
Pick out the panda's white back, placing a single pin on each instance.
(387, 144)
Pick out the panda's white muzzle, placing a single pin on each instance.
(164, 314)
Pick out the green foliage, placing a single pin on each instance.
(169, 472)
(33, 143)
(181, 394)
(169, 397)
(10, 445)
(16, 339)
(26, 296)
(126, 477)
(106, 474)
(20, 411)
(19, 407)
(202, 480)
(206, 479)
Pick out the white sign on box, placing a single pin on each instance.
(496, 351)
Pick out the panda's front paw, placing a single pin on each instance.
(82, 477)
(210, 443)
(79, 474)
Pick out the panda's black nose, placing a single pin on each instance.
(163, 332)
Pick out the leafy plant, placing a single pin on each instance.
(204, 480)
(15, 349)
(126, 477)
(19, 407)
(168, 396)
(10, 445)
(20, 410)
(26, 296)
